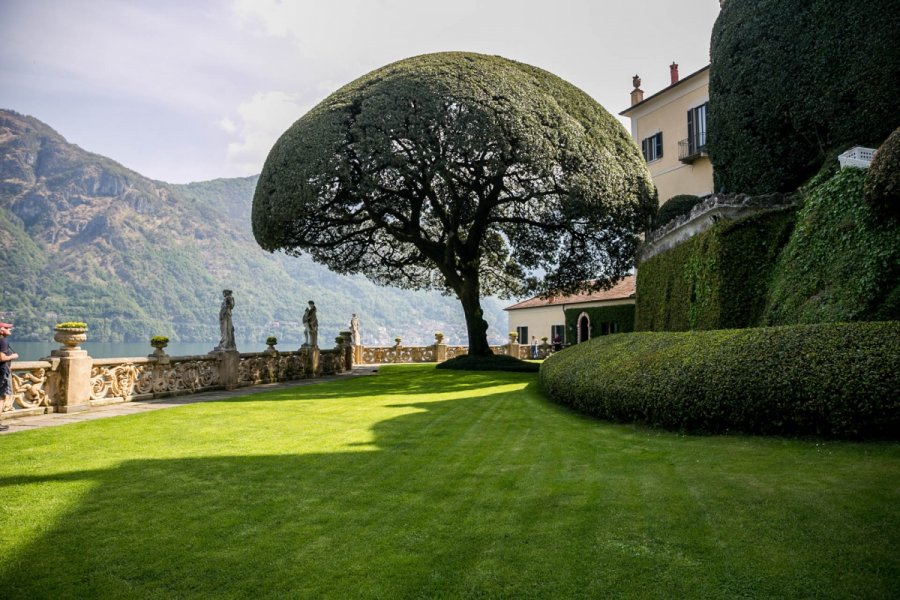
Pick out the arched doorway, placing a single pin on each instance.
(584, 327)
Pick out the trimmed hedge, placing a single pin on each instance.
(882, 187)
(833, 380)
(674, 207)
(791, 82)
(715, 280)
(622, 314)
(842, 262)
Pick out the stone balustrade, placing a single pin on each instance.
(70, 380)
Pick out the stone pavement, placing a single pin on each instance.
(138, 406)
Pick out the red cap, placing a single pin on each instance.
(6, 325)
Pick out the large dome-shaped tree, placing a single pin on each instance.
(794, 83)
(467, 173)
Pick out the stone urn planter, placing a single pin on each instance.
(271, 341)
(439, 338)
(159, 343)
(513, 336)
(71, 335)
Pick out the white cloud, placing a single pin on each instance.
(263, 119)
(228, 125)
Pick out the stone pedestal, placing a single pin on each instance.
(513, 349)
(440, 352)
(229, 371)
(349, 350)
(74, 380)
(357, 355)
(311, 356)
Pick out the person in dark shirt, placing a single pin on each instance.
(6, 358)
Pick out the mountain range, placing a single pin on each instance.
(83, 238)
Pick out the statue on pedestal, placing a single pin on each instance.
(226, 327)
(311, 326)
(354, 330)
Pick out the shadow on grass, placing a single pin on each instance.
(487, 495)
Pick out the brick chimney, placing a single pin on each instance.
(637, 94)
(673, 72)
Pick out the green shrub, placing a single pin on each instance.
(159, 339)
(271, 340)
(842, 262)
(496, 362)
(791, 82)
(72, 325)
(674, 207)
(716, 279)
(882, 187)
(834, 379)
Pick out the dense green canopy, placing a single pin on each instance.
(795, 83)
(462, 172)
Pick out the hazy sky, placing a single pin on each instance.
(189, 90)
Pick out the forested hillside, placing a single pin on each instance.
(84, 238)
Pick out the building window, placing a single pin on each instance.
(557, 334)
(523, 334)
(652, 148)
(609, 327)
(697, 128)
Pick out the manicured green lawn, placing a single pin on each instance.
(425, 483)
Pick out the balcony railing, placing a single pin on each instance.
(690, 150)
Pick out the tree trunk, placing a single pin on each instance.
(477, 327)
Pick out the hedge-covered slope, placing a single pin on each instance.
(842, 262)
(715, 280)
(792, 82)
(834, 380)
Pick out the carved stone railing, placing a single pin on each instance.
(125, 379)
(707, 213)
(33, 386)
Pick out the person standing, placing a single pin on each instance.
(6, 358)
(534, 347)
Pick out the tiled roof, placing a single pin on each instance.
(621, 291)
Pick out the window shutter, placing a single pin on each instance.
(644, 149)
(658, 139)
(690, 131)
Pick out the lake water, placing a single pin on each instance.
(37, 350)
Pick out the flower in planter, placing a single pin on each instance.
(159, 341)
(71, 325)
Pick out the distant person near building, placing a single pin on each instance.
(534, 347)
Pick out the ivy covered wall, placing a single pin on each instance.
(718, 279)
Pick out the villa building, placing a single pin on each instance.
(575, 318)
(670, 127)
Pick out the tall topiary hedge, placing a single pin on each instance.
(791, 82)
(882, 187)
(833, 379)
(842, 262)
(715, 280)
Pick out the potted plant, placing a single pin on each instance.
(513, 336)
(271, 340)
(398, 340)
(439, 337)
(71, 334)
(159, 341)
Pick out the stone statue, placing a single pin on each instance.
(226, 328)
(354, 330)
(311, 326)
